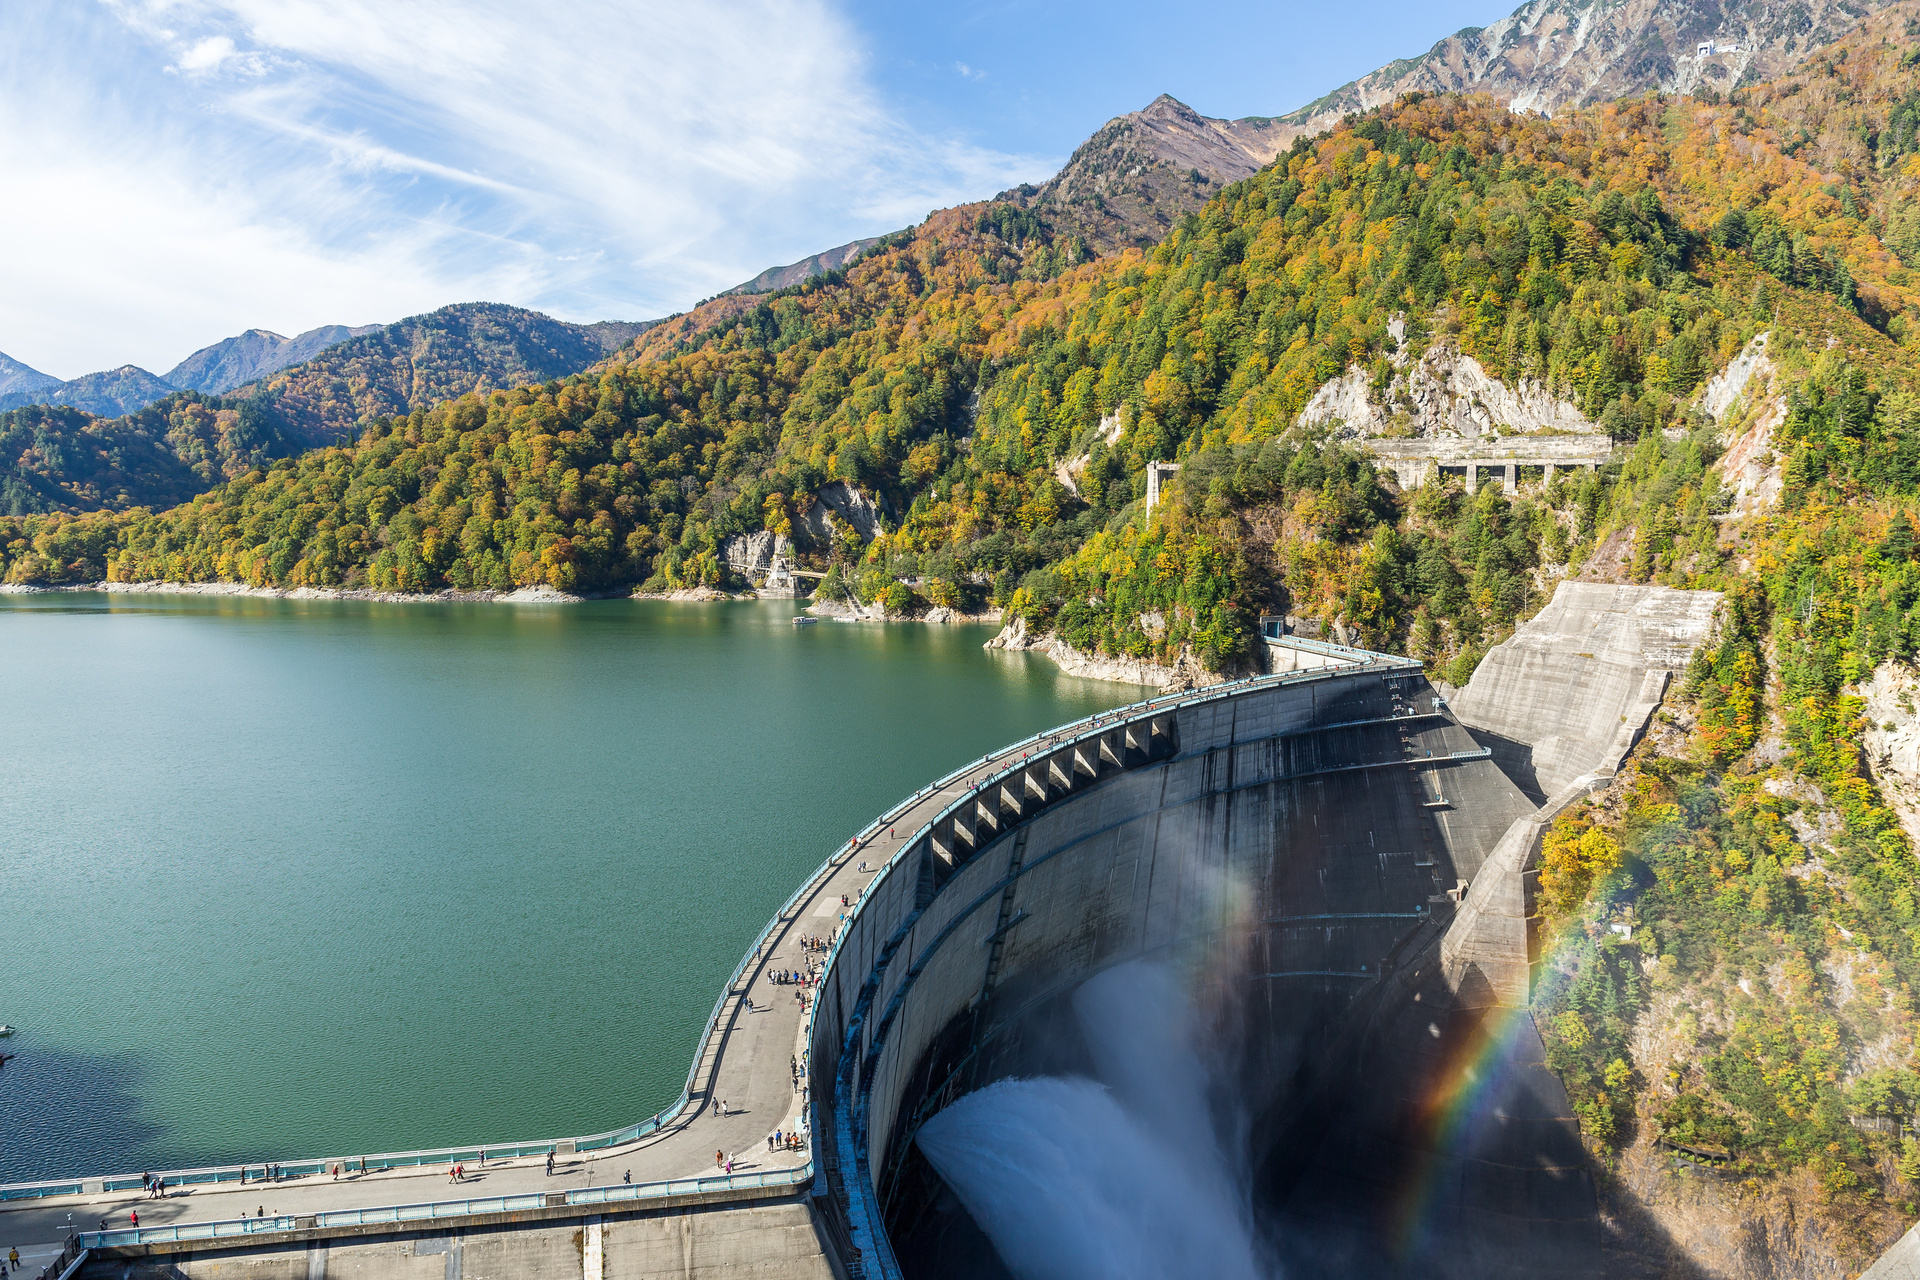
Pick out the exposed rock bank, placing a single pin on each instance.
(1445, 393)
(698, 594)
(1187, 673)
(849, 611)
(523, 595)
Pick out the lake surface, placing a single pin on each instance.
(304, 878)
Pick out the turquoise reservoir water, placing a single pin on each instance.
(288, 878)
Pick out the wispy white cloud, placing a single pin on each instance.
(186, 168)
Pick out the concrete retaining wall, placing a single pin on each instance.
(771, 1241)
(1559, 693)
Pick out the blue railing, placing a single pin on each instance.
(437, 1209)
(31, 1190)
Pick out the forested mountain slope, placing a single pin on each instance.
(472, 347)
(58, 458)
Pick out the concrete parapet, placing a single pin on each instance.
(777, 1238)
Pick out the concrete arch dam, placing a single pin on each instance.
(1334, 863)
(1296, 848)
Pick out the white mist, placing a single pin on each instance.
(1119, 1178)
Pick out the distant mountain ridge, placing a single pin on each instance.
(775, 278)
(416, 362)
(1129, 182)
(16, 377)
(236, 361)
(214, 369)
(168, 447)
(1553, 54)
(106, 394)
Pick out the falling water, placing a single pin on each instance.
(1123, 1177)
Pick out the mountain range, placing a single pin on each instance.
(236, 361)
(214, 369)
(1126, 186)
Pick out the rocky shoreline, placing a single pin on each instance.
(1186, 673)
(523, 595)
(843, 611)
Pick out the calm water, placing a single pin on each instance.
(307, 878)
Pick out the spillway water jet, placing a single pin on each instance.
(1112, 1178)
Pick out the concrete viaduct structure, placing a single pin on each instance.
(1413, 460)
(1329, 852)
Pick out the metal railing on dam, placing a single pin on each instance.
(429, 1211)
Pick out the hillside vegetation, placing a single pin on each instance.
(953, 369)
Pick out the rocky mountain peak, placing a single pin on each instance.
(1141, 171)
(1548, 55)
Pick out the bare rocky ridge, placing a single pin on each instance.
(1553, 54)
(232, 362)
(774, 278)
(1129, 182)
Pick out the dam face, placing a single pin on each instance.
(1295, 848)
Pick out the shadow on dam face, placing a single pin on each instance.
(1286, 867)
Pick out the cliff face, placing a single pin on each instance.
(1553, 54)
(1443, 393)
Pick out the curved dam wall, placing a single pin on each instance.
(1296, 841)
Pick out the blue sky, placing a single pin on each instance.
(182, 170)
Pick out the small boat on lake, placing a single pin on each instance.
(802, 620)
(5, 1030)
